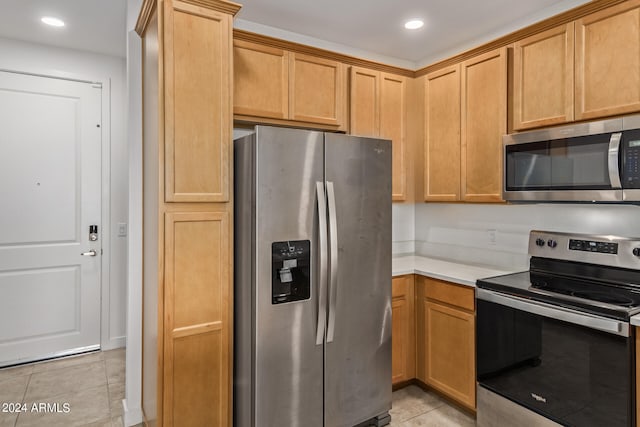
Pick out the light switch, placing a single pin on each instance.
(122, 229)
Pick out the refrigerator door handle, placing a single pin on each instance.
(333, 277)
(322, 274)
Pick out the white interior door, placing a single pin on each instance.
(50, 193)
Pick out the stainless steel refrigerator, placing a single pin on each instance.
(312, 279)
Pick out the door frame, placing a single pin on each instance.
(105, 183)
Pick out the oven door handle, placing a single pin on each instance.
(555, 312)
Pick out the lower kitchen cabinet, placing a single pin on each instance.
(445, 326)
(403, 353)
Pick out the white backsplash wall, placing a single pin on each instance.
(403, 228)
(498, 235)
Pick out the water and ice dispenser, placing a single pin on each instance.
(290, 271)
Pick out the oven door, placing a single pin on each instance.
(571, 367)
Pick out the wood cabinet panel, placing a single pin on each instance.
(379, 110)
(450, 293)
(187, 239)
(316, 89)
(393, 120)
(198, 384)
(196, 318)
(484, 122)
(261, 80)
(197, 104)
(442, 135)
(450, 352)
(445, 339)
(607, 62)
(543, 78)
(364, 119)
(403, 330)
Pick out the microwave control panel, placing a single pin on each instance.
(631, 170)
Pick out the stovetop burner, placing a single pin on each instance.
(588, 291)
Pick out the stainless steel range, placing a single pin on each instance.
(554, 344)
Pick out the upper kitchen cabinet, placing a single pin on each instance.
(317, 89)
(484, 122)
(465, 119)
(197, 96)
(607, 62)
(273, 85)
(442, 135)
(261, 86)
(379, 110)
(543, 78)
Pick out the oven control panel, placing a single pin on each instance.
(593, 246)
(614, 251)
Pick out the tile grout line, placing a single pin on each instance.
(24, 396)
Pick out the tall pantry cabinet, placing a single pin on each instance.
(188, 212)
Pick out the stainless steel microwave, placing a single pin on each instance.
(584, 162)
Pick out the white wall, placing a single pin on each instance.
(403, 229)
(46, 60)
(462, 231)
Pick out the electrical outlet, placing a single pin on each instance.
(122, 229)
(491, 237)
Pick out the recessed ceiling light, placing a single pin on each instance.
(413, 24)
(54, 22)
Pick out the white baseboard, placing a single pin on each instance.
(132, 416)
(114, 343)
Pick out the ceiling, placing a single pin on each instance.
(376, 26)
(91, 25)
(371, 29)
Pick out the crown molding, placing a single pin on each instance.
(148, 6)
(218, 5)
(322, 53)
(538, 27)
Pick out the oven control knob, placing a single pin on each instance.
(636, 251)
(540, 242)
(552, 243)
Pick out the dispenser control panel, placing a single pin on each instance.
(290, 271)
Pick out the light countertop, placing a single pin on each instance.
(450, 271)
(635, 320)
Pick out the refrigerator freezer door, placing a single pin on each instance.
(288, 363)
(358, 359)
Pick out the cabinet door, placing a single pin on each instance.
(543, 78)
(607, 62)
(365, 112)
(197, 111)
(261, 80)
(316, 90)
(484, 122)
(197, 294)
(442, 135)
(393, 120)
(403, 332)
(450, 351)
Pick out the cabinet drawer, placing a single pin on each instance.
(449, 293)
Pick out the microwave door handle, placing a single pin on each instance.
(614, 160)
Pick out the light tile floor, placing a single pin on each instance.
(413, 407)
(91, 384)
